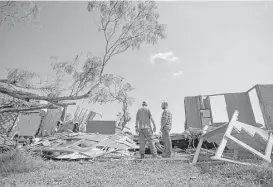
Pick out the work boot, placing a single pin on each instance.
(166, 156)
(156, 157)
(141, 156)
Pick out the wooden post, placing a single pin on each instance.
(223, 143)
(197, 152)
(269, 146)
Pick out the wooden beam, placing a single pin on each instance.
(231, 161)
(215, 131)
(224, 141)
(208, 151)
(269, 146)
(21, 109)
(197, 152)
(253, 87)
(218, 94)
(247, 147)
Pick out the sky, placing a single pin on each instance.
(211, 47)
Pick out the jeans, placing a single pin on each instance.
(146, 134)
(167, 140)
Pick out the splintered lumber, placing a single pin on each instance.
(83, 145)
(165, 159)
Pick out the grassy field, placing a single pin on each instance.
(24, 170)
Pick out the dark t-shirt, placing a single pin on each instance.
(144, 117)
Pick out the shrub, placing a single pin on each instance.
(16, 161)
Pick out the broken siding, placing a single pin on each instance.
(265, 93)
(192, 111)
(240, 102)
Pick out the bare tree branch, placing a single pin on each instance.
(125, 25)
(21, 109)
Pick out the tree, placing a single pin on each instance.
(124, 116)
(12, 12)
(125, 25)
(117, 90)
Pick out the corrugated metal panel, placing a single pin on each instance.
(192, 110)
(240, 102)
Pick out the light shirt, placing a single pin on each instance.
(166, 118)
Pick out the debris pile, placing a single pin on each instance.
(75, 146)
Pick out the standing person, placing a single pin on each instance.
(144, 129)
(166, 126)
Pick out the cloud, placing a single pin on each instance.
(168, 56)
(177, 74)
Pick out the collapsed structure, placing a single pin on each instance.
(238, 121)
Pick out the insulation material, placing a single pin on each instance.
(266, 94)
(240, 102)
(254, 101)
(218, 109)
(28, 124)
(192, 113)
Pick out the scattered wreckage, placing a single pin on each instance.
(75, 146)
(223, 127)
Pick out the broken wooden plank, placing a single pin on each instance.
(248, 148)
(230, 161)
(196, 155)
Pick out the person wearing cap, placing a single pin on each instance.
(166, 126)
(144, 129)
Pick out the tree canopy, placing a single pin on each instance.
(125, 25)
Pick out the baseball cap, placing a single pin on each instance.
(144, 103)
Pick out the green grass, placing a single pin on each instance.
(15, 161)
(17, 170)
